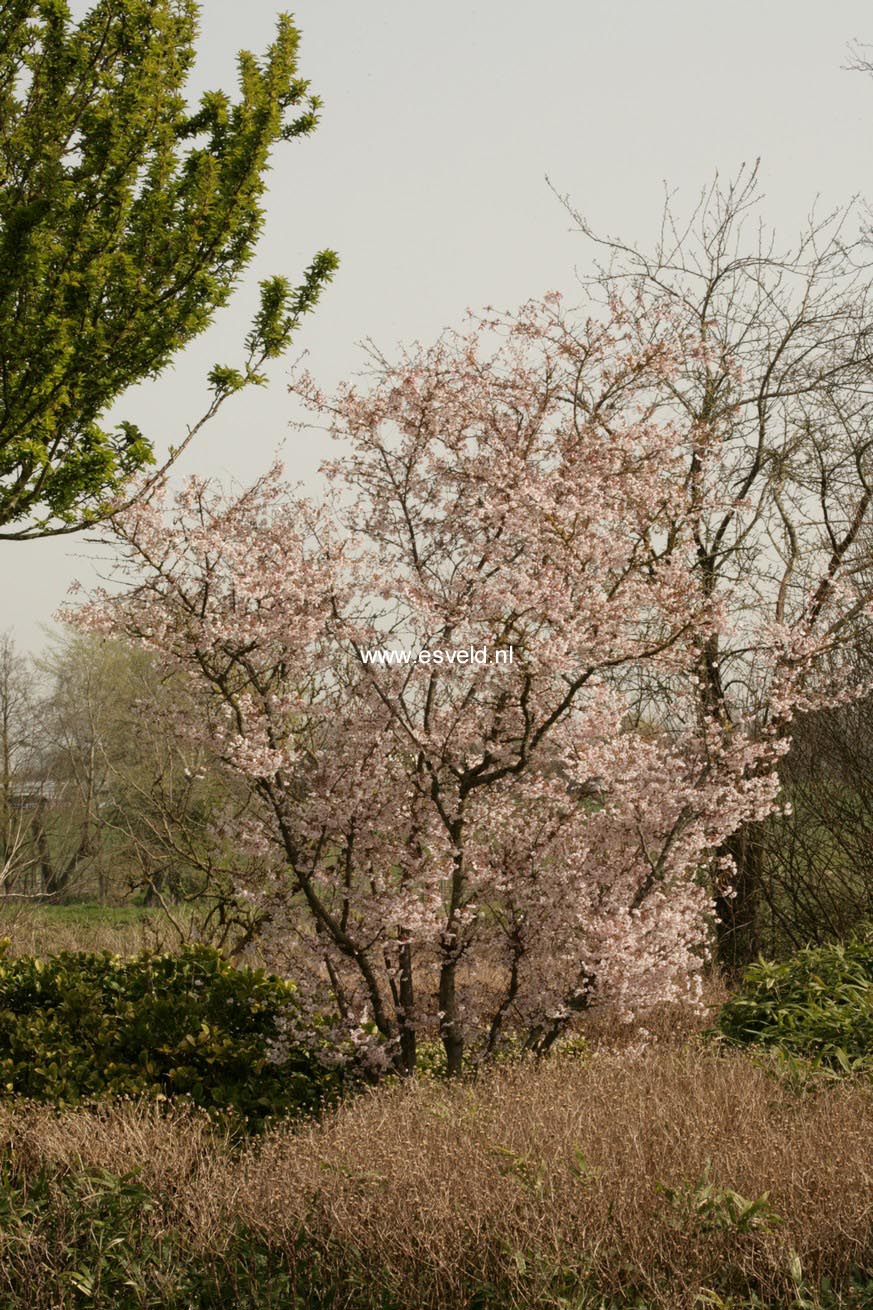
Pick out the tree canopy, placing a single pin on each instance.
(452, 842)
(125, 221)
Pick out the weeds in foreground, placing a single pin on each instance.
(664, 1180)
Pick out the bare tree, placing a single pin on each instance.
(18, 701)
(781, 372)
(816, 861)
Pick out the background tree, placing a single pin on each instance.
(816, 862)
(79, 718)
(167, 810)
(777, 346)
(18, 750)
(101, 799)
(125, 221)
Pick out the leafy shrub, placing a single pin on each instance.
(818, 1004)
(79, 1025)
(709, 1207)
(85, 1239)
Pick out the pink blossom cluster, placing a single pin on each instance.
(476, 851)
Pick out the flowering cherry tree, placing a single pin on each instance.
(452, 846)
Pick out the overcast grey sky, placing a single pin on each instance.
(427, 175)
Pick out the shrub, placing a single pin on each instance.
(80, 1025)
(818, 1004)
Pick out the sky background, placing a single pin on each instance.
(428, 176)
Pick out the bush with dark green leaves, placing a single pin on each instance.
(77, 1026)
(817, 1005)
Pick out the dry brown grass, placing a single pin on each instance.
(665, 1023)
(531, 1181)
(45, 930)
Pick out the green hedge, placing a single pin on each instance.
(79, 1025)
(818, 1004)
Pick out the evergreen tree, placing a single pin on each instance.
(125, 221)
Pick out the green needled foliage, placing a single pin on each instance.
(125, 221)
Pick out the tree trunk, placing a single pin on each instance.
(53, 880)
(738, 927)
(450, 1029)
(406, 1014)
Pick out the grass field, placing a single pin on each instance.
(84, 926)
